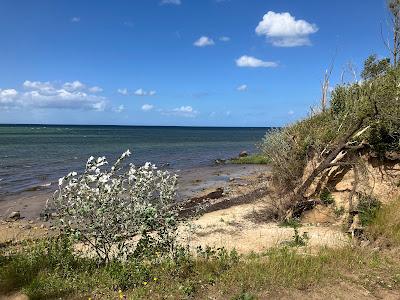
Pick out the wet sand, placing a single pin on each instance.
(192, 183)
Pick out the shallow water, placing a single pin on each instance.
(32, 156)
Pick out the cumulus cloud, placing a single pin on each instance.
(73, 86)
(119, 108)
(44, 87)
(147, 107)
(173, 2)
(252, 62)
(204, 41)
(95, 89)
(123, 91)
(75, 19)
(185, 111)
(39, 94)
(7, 97)
(141, 92)
(242, 88)
(283, 30)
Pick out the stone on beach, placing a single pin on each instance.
(15, 215)
(243, 154)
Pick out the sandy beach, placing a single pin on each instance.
(192, 183)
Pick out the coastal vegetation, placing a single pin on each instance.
(118, 227)
(362, 120)
(258, 159)
(106, 209)
(49, 269)
(353, 127)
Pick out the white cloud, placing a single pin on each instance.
(141, 92)
(123, 91)
(242, 88)
(147, 107)
(252, 62)
(7, 97)
(182, 111)
(44, 87)
(95, 89)
(203, 41)
(75, 19)
(119, 108)
(73, 86)
(283, 30)
(173, 2)
(47, 95)
(290, 112)
(224, 38)
(185, 111)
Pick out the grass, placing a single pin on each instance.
(326, 197)
(48, 269)
(385, 225)
(256, 159)
(41, 272)
(368, 207)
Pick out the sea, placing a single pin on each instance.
(33, 157)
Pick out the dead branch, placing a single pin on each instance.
(326, 163)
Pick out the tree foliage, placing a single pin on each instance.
(361, 114)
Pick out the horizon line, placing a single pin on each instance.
(120, 125)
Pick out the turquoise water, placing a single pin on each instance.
(33, 156)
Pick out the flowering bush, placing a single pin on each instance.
(118, 212)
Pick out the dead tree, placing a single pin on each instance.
(330, 160)
(394, 46)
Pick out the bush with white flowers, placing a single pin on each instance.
(120, 211)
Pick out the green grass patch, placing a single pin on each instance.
(256, 159)
(368, 208)
(326, 197)
(385, 226)
(48, 271)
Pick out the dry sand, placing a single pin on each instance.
(233, 221)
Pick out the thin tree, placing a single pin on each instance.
(394, 48)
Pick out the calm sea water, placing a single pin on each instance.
(33, 156)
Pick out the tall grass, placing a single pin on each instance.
(385, 227)
(42, 271)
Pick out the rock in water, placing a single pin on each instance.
(15, 215)
(243, 154)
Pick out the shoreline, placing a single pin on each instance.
(191, 183)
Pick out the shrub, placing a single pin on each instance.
(257, 159)
(286, 161)
(106, 209)
(326, 197)
(372, 105)
(367, 207)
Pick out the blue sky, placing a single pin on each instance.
(177, 62)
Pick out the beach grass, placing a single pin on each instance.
(41, 272)
(257, 159)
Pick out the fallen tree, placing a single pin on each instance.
(362, 118)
